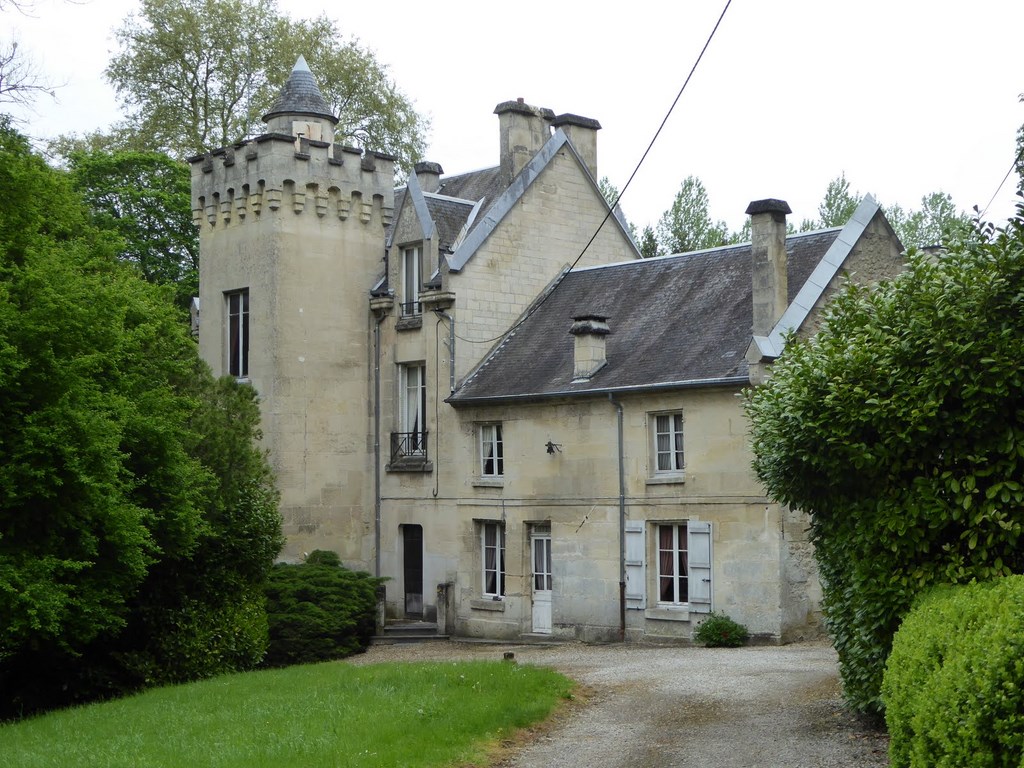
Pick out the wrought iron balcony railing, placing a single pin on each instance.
(408, 447)
(411, 308)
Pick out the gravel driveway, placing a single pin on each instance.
(770, 707)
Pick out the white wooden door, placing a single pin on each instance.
(540, 546)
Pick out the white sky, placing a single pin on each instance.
(906, 97)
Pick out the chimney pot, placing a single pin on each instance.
(428, 175)
(582, 132)
(522, 131)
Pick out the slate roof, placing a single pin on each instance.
(300, 96)
(484, 184)
(675, 321)
(449, 216)
(451, 205)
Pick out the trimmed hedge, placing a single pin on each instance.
(319, 610)
(954, 683)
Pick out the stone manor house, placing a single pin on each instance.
(521, 448)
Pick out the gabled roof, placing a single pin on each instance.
(507, 200)
(467, 208)
(676, 321)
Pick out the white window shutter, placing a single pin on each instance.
(636, 591)
(699, 552)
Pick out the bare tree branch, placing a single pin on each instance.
(21, 79)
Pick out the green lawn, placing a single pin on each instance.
(319, 715)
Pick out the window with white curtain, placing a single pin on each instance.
(667, 443)
(413, 406)
(492, 451)
(492, 543)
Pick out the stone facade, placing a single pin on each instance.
(378, 460)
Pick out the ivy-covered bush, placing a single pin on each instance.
(720, 631)
(954, 683)
(319, 610)
(900, 428)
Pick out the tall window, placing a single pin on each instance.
(413, 408)
(673, 565)
(411, 281)
(238, 332)
(492, 451)
(493, 550)
(668, 442)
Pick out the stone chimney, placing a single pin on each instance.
(582, 132)
(589, 351)
(768, 248)
(523, 130)
(429, 176)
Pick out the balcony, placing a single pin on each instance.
(409, 453)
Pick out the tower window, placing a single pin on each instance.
(238, 332)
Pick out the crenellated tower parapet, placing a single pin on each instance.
(280, 174)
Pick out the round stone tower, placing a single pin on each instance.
(291, 242)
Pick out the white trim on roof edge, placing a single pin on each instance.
(420, 204)
(770, 346)
(507, 200)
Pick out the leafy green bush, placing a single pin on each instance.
(719, 631)
(899, 428)
(138, 516)
(954, 683)
(319, 610)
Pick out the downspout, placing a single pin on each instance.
(376, 445)
(622, 520)
(442, 315)
(451, 347)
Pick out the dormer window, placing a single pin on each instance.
(411, 282)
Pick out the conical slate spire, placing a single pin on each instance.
(301, 96)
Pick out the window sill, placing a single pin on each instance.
(668, 613)
(488, 482)
(488, 604)
(410, 465)
(409, 322)
(666, 479)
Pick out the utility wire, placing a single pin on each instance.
(1016, 163)
(614, 205)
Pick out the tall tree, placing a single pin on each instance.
(648, 243)
(900, 428)
(138, 518)
(145, 197)
(935, 223)
(836, 207)
(687, 225)
(196, 74)
(1020, 155)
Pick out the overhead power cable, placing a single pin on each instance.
(1014, 165)
(614, 205)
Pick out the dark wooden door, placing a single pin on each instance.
(412, 544)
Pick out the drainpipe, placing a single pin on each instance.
(376, 445)
(451, 346)
(622, 521)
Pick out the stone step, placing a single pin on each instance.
(408, 631)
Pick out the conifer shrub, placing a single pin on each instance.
(319, 610)
(719, 631)
(953, 686)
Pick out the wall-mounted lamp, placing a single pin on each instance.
(552, 447)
